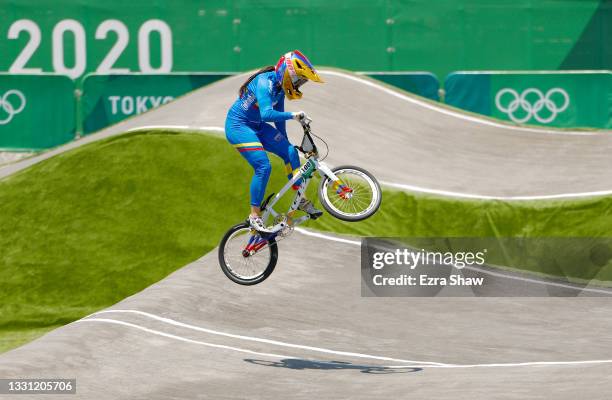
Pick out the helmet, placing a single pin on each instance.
(292, 71)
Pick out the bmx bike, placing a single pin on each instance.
(348, 193)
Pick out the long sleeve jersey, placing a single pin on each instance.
(264, 101)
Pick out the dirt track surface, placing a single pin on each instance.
(296, 335)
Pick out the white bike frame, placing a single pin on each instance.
(311, 165)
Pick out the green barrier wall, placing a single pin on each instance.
(158, 36)
(108, 99)
(36, 111)
(424, 84)
(580, 99)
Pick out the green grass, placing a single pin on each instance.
(87, 228)
(405, 214)
(13, 338)
(570, 239)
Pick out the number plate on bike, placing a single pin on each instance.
(307, 168)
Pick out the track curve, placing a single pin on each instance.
(306, 332)
(412, 142)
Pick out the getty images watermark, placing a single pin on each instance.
(484, 267)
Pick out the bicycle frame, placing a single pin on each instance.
(248, 255)
(305, 173)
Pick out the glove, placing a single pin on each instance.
(302, 117)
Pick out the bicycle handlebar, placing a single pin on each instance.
(305, 122)
(307, 139)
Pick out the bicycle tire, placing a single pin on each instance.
(227, 270)
(372, 207)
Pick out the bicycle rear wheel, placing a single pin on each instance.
(358, 197)
(245, 257)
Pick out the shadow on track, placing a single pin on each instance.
(296, 363)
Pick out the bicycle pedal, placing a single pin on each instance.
(315, 216)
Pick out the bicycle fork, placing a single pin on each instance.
(341, 189)
(256, 242)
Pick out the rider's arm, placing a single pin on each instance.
(264, 99)
(281, 125)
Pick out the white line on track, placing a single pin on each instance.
(261, 340)
(176, 337)
(409, 364)
(412, 188)
(177, 127)
(471, 268)
(505, 365)
(456, 114)
(406, 187)
(540, 282)
(327, 237)
(479, 121)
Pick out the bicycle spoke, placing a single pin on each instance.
(360, 198)
(245, 267)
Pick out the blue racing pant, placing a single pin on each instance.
(252, 141)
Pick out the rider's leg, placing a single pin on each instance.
(261, 164)
(276, 142)
(245, 140)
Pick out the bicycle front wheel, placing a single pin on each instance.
(356, 197)
(245, 257)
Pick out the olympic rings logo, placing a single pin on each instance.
(11, 103)
(532, 110)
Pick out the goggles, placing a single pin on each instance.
(299, 83)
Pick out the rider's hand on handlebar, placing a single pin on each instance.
(302, 117)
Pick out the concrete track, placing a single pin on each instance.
(306, 332)
(412, 142)
(314, 301)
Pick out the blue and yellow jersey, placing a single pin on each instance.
(263, 101)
